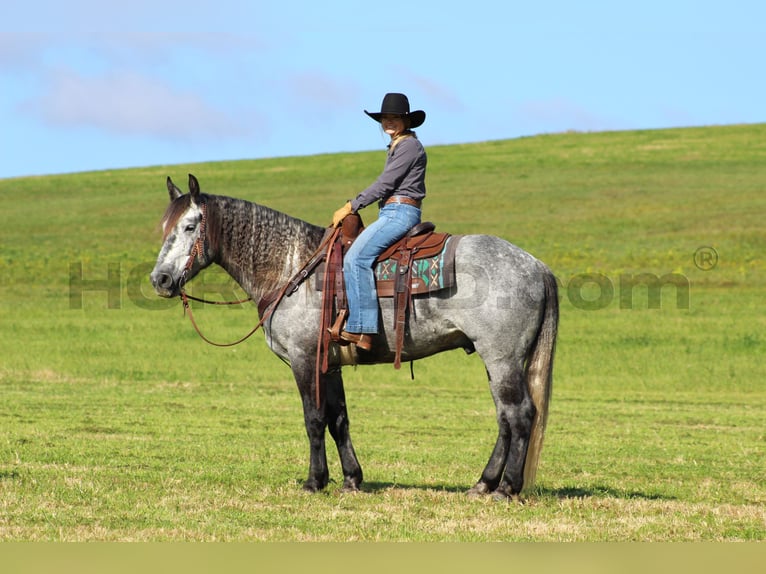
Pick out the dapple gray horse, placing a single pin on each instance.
(504, 307)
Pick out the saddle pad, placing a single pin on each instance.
(428, 274)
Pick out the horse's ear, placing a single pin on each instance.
(174, 192)
(194, 189)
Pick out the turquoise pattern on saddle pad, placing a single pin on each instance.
(431, 270)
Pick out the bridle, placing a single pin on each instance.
(269, 302)
(198, 250)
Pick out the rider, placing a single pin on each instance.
(399, 191)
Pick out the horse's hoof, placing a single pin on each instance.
(312, 486)
(501, 495)
(350, 485)
(479, 490)
(350, 489)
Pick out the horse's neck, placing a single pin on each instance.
(262, 248)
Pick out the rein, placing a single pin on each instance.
(187, 310)
(198, 249)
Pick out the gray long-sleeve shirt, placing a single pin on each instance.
(404, 174)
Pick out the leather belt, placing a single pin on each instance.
(404, 200)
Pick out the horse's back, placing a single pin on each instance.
(498, 295)
(492, 245)
(499, 270)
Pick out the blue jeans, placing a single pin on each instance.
(394, 221)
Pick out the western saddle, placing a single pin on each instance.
(421, 242)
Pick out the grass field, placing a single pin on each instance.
(118, 423)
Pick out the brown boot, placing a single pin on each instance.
(361, 340)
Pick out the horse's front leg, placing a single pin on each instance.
(316, 425)
(336, 416)
(319, 475)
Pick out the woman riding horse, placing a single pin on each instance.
(399, 191)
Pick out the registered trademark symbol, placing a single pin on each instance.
(706, 258)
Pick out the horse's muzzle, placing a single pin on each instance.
(164, 284)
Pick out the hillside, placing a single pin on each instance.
(120, 424)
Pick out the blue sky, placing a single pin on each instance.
(91, 85)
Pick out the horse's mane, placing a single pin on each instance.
(273, 220)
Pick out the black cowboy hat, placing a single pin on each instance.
(398, 104)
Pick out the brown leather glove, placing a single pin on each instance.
(340, 214)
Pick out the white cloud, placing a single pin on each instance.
(19, 51)
(128, 103)
(434, 91)
(316, 99)
(320, 92)
(84, 16)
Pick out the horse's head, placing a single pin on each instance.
(183, 253)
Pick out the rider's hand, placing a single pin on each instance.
(339, 215)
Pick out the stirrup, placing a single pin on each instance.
(337, 327)
(361, 340)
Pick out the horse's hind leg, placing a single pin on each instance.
(336, 416)
(504, 473)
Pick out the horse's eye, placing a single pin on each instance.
(189, 228)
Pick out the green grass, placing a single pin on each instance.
(120, 424)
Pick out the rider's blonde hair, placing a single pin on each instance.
(407, 133)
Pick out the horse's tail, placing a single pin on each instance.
(540, 376)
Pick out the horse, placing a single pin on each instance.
(503, 306)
